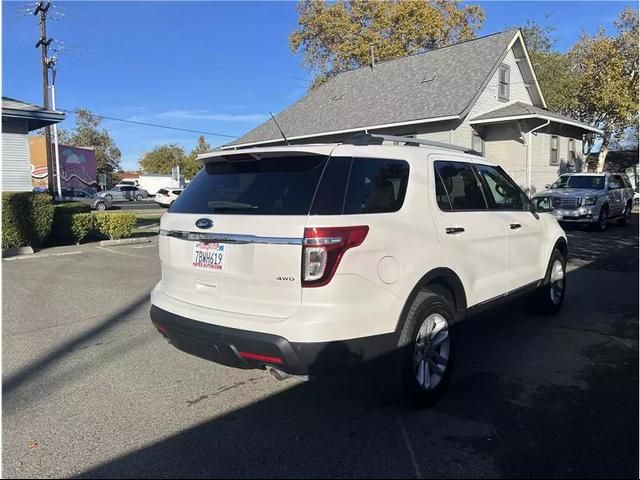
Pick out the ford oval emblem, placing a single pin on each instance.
(204, 223)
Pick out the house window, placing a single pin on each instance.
(572, 151)
(554, 150)
(503, 83)
(477, 143)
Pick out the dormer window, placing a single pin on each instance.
(503, 83)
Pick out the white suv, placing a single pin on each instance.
(302, 259)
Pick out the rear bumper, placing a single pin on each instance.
(245, 349)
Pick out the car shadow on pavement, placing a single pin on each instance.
(512, 410)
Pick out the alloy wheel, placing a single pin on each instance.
(431, 352)
(556, 282)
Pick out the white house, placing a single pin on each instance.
(481, 94)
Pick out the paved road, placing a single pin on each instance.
(87, 379)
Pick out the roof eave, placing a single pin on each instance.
(513, 118)
(35, 119)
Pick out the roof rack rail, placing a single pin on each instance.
(377, 139)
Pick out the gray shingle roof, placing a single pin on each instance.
(439, 83)
(519, 109)
(13, 104)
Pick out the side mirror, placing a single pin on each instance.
(542, 204)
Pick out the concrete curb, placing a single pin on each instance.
(124, 241)
(12, 252)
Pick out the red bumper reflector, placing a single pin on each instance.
(261, 358)
(160, 328)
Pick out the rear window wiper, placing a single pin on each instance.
(225, 205)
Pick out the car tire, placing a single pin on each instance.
(626, 216)
(139, 198)
(101, 206)
(549, 297)
(420, 368)
(109, 197)
(603, 219)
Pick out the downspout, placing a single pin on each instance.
(527, 142)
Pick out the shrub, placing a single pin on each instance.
(41, 217)
(71, 207)
(115, 225)
(26, 219)
(72, 228)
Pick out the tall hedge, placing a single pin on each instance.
(115, 225)
(27, 218)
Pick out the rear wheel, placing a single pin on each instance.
(138, 197)
(549, 298)
(626, 216)
(424, 359)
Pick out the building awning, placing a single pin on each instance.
(521, 111)
(36, 117)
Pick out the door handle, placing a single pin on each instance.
(454, 230)
(515, 226)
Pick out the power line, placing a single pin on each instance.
(154, 125)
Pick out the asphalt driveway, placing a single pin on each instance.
(90, 389)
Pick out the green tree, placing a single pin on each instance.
(191, 164)
(334, 37)
(608, 91)
(162, 158)
(595, 82)
(88, 133)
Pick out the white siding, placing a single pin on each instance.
(542, 172)
(488, 99)
(503, 146)
(16, 163)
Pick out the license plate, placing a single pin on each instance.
(209, 255)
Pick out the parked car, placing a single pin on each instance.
(120, 194)
(309, 258)
(128, 183)
(166, 196)
(75, 195)
(588, 198)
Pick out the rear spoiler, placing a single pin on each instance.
(253, 154)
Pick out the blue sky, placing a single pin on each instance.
(218, 67)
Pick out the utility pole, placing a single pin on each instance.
(43, 44)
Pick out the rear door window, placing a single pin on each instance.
(461, 185)
(247, 186)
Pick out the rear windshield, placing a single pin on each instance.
(270, 186)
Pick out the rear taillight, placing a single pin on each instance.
(322, 251)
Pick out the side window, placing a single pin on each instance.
(553, 159)
(614, 182)
(503, 194)
(503, 83)
(376, 186)
(462, 185)
(441, 193)
(572, 151)
(477, 143)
